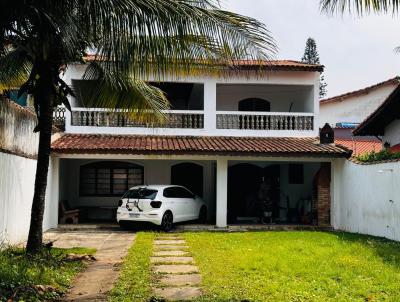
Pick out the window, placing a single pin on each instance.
(109, 178)
(177, 192)
(296, 174)
(141, 193)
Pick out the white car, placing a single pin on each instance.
(161, 205)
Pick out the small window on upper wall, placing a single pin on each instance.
(296, 174)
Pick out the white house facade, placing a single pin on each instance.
(222, 138)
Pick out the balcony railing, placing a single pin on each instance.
(265, 121)
(189, 119)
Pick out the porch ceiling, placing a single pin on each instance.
(202, 145)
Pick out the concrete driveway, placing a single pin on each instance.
(97, 280)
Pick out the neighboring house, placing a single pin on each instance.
(346, 111)
(353, 107)
(223, 137)
(384, 122)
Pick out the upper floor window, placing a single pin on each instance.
(109, 178)
(254, 104)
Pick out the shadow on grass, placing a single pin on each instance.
(387, 250)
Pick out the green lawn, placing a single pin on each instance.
(296, 266)
(277, 266)
(134, 283)
(42, 278)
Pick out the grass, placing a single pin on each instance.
(134, 283)
(296, 266)
(276, 266)
(39, 278)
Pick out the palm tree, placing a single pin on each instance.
(132, 40)
(361, 7)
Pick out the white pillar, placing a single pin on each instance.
(222, 192)
(210, 105)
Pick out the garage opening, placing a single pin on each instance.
(189, 175)
(271, 192)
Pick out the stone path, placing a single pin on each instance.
(94, 283)
(178, 277)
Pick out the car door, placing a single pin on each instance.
(175, 203)
(183, 201)
(190, 211)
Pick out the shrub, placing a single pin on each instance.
(378, 156)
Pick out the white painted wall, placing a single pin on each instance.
(366, 198)
(279, 96)
(302, 89)
(354, 109)
(392, 133)
(17, 180)
(156, 172)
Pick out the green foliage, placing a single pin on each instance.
(134, 283)
(378, 156)
(361, 7)
(43, 277)
(311, 56)
(296, 266)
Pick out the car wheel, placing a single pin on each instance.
(203, 214)
(125, 225)
(167, 221)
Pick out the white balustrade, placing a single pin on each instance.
(97, 117)
(265, 120)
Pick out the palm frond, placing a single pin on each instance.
(139, 100)
(361, 7)
(14, 68)
(152, 36)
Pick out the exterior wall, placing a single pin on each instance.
(392, 133)
(304, 97)
(280, 97)
(366, 198)
(354, 109)
(323, 195)
(156, 172)
(17, 186)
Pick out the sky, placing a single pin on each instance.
(356, 51)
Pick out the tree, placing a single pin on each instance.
(360, 6)
(311, 56)
(132, 40)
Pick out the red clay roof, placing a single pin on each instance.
(140, 144)
(360, 146)
(366, 90)
(289, 65)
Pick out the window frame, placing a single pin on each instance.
(296, 174)
(111, 166)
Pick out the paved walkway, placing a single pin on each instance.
(97, 280)
(178, 276)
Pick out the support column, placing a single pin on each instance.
(210, 105)
(323, 194)
(222, 192)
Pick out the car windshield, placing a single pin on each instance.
(141, 193)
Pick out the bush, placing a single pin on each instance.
(43, 277)
(378, 156)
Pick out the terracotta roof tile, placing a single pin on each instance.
(360, 146)
(290, 65)
(366, 90)
(140, 144)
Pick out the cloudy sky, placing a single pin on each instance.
(356, 52)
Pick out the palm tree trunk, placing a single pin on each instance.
(44, 95)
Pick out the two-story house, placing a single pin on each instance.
(222, 138)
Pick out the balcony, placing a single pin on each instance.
(265, 120)
(96, 117)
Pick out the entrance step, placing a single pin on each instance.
(169, 253)
(170, 247)
(178, 293)
(180, 260)
(180, 280)
(176, 269)
(169, 242)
